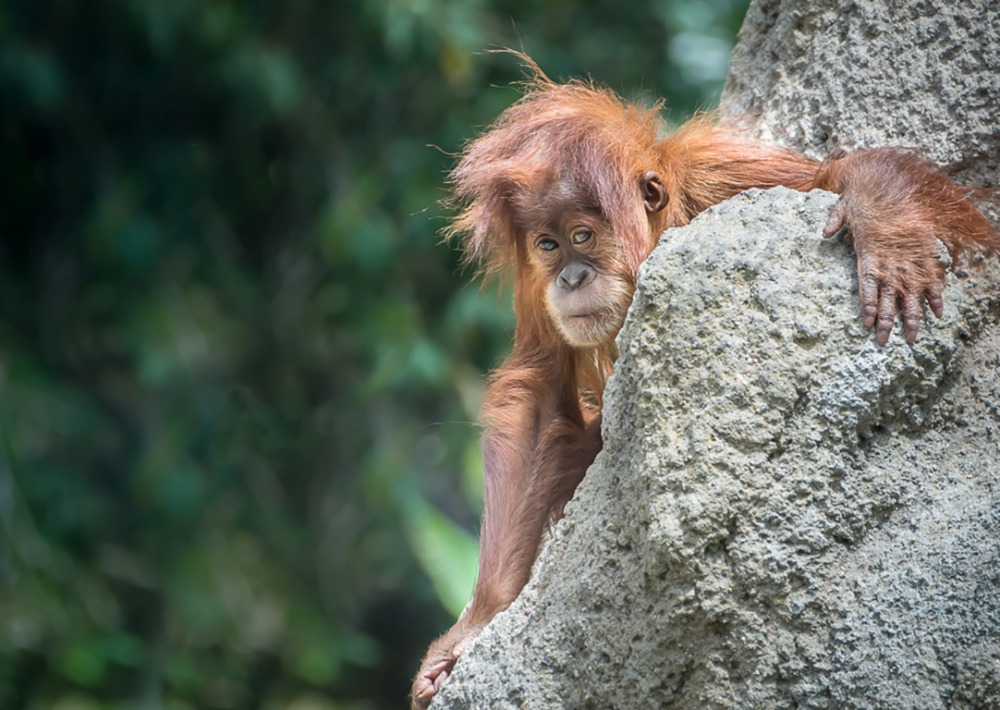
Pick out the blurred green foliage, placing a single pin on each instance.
(239, 373)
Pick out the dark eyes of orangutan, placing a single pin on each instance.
(580, 236)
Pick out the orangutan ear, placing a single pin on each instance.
(654, 195)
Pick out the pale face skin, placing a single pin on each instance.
(576, 253)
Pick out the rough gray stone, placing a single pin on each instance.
(785, 514)
(850, 74)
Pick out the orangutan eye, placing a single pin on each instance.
(582, 235)
(547, 244)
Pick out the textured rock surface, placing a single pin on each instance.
(831, 74)
(785, 514)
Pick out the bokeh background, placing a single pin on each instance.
(239, 371)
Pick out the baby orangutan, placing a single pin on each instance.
(569, 191)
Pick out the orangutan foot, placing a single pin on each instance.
(438, 664)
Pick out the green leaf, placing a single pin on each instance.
(447, 553)
(81, 662)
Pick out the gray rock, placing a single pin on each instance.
(830, 74)
(785, 514)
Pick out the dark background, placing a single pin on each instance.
(239, 371)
